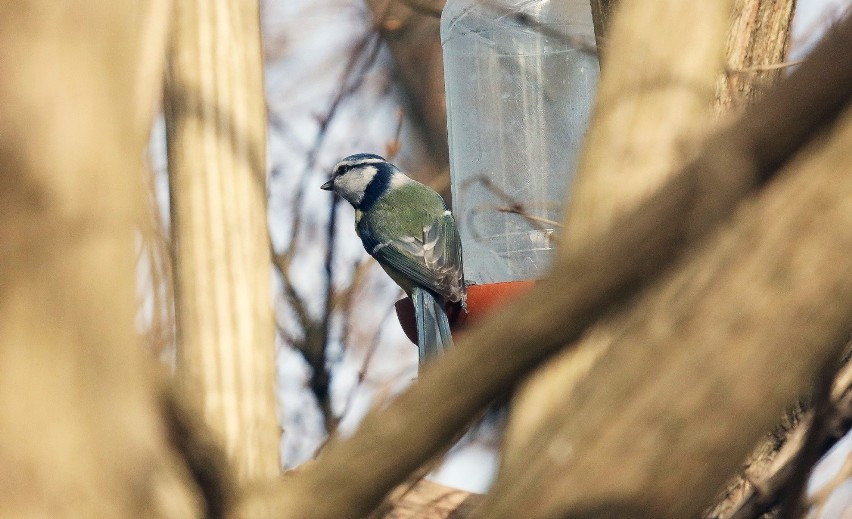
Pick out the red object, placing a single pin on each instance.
(481, 300)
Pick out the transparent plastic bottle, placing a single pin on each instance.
(520, 78)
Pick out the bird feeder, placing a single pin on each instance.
(520, 80)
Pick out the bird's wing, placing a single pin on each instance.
(432, 260)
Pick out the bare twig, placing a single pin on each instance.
(513, 206)
(286, 336)
(316, 331)
(345, 298)
(362, 373)
(393, 145)
(519, 211)
(154, 248)
(811, 447)
(367, 49)
(763, 68)
(773, 481)
(282, 263)
(321, 376)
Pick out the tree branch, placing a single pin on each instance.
(645, 126)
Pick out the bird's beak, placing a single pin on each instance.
(327, 186)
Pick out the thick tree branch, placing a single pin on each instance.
(655, 92)
(650, 111)
(707, 360)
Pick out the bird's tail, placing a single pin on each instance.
(433, 327)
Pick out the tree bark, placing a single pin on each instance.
(215, 120)
(80, 429)
(654, 97)
(757, 43)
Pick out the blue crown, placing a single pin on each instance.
(363, 156)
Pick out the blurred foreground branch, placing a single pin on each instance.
(81, 429)
(666, 100)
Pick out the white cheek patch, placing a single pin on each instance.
(398, 180)
(351, 185)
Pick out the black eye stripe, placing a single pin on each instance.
(344, 168)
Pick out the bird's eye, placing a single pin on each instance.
(344, 168)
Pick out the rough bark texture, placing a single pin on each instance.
(602, 12)
(757, 41)
(80, 429)
(615, 267)
(216, 124)
(770, 475)
(637, 140)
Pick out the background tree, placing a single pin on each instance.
(216, 128)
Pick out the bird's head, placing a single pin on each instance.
(361, 179)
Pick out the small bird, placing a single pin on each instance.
(406, 226)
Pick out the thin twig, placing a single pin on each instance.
(519, 211)
(365, 365)
(345, 298)
(392, 147)
(513, 206)
(763, 68)
(809, 453)
(282, 263)
(351, 80)
(768, 487)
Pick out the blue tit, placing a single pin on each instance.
(406, 226)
